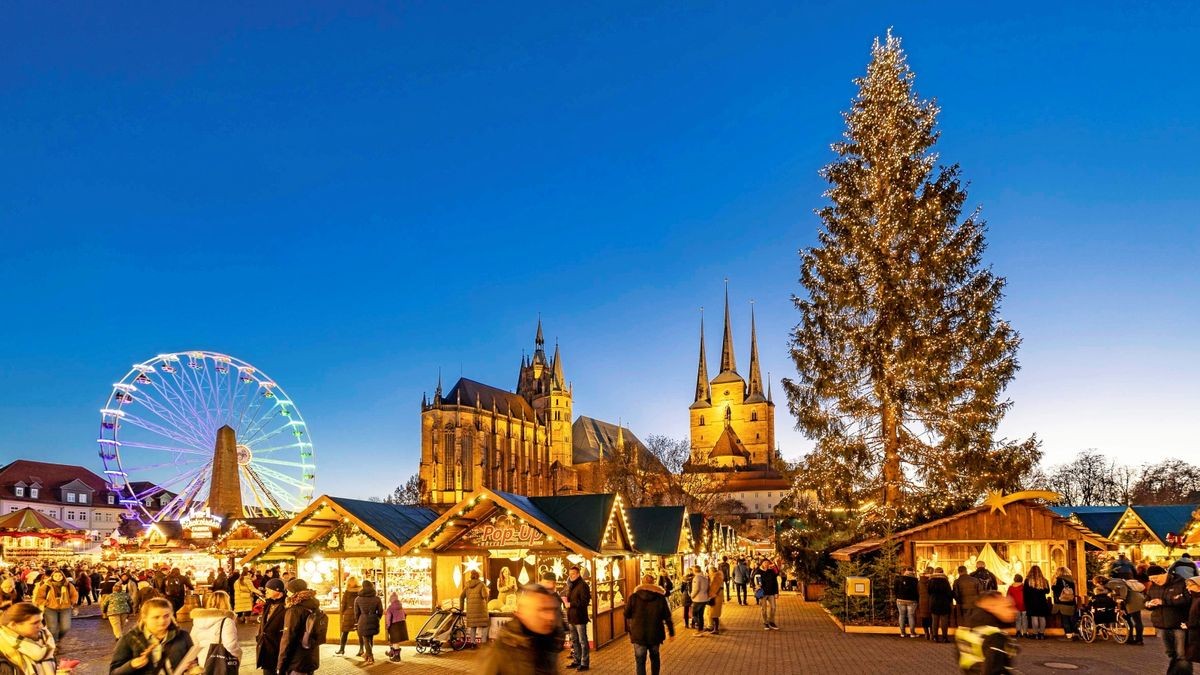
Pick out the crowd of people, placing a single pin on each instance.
(982, 613)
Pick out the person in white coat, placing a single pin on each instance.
(215, 623)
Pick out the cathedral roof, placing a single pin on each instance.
(729, 445)
(592, 438)
(466, 392)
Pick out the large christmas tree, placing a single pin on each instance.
(901, 354)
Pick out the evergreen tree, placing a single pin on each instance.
(901, 354)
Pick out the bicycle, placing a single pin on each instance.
(1119, 629)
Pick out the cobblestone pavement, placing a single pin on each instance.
(808, 643)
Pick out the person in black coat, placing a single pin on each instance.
(941, 601)
(294, 657)
(270, 631)
(646, 613)
(579, 598)
(1193, 621)
(368, 610)
(155, 645)
(1036, 593)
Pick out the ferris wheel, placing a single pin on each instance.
(165, 421)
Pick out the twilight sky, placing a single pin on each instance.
(352, 196)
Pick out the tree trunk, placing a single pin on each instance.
(891, 456)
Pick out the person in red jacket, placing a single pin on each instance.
(1016, 591)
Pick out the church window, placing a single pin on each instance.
(468, 468)
(702, 420)
(754, 416)
(448, 459)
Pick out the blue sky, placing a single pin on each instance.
(352, 196)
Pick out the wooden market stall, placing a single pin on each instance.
(1009, 536)
(512, 540)
(663, 536)
(334, 539)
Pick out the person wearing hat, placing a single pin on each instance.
(1193, 621)
(1169, 604)
(270, 631)
(296, 655)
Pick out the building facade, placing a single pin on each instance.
(66, 492)
(525, 441)
(732, 428)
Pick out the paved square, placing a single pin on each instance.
(808, 643)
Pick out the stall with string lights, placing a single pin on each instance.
(663, 535)
(512, 540)
(334, 539)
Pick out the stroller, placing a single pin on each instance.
(444, 627)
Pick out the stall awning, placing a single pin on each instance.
(580, 523)
(1024, 520)
(659, 530)
(391, 526)
(29, 520)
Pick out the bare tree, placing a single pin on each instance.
(409, 493)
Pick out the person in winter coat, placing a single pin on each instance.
(1184, 567)
(57, 597)
(117, 607)
(741, 579)
(1066, 600)
(83, 584)
(348, 620)
(766, 579)
(1129, 594)
(396, 621)
(176, 587)
(1193, 621)
(923, 613)
(685, 590)
(983, 646)
(530, 642)
(145, 591)
(26, 647)
(987, 580)
(701, 594)
(646, 613)
(579, 598)
(1035, 598)
(270, 630)
(474, 601)
(1169, 603)
(8, 593)
(1016, 593)
(717, 603)
(723, 568)
(907, 595)
(154, 646)
(216, 624)
(97, 578)
(1122, 567)
(966, 591)
(294, 657)
(245, 595)
(941, 601)
(368, 611)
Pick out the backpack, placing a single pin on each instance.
(1067, 596)
(1135, 585)
(316, 625)
(174, 586)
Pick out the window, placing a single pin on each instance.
(149, 501)
(768, 495)
(702, 420)
(448, 460)
(70, 515)
(33, 493)
(112, 499)
(754, 416)
(20, 491)
(70, 497)
(83, 498)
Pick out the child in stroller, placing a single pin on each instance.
(444, 627)
(397, 628)
(1103, 607)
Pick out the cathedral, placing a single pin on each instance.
(732, 426)
(476, 435)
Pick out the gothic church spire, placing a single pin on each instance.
(756, 383)
(703, 394)
(727, 361)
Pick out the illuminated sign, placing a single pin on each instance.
(504, 535)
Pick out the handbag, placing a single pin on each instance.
(758, 594)
(220, 661)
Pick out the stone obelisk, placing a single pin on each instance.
(225, 489)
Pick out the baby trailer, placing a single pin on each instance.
(444, 628)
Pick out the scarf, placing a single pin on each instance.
(297, 598)
(32, 657)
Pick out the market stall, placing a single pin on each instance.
(26, 533)
(664, 539)
(512, 540)
(334, 539)
(1009, 534)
